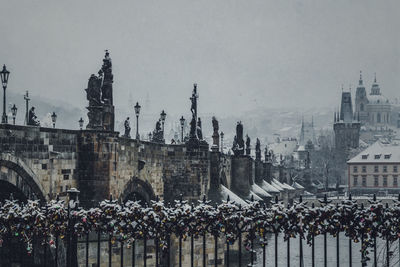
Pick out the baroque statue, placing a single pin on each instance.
(127, 128)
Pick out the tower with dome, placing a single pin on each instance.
(373, 109)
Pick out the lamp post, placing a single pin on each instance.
(137, 112)
(222, 142)
(163, 115)
(54, 119)
(4, 80)
(14, 112)
(182, 120)
(73, 203)
(80, 123)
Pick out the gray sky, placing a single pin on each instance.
(243, 54)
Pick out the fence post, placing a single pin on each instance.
(288, 245)
(301, 238)
(87, 249)
(276, 238)
(387, 243)
(313, 244)
(350, 244)
(337, 242)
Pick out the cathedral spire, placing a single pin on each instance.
(360, 82)
(375, 78)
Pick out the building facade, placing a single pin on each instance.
(374, 110)
(375, 169)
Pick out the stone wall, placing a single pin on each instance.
(49, 153)
(241, 175)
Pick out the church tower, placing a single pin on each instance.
(361, 101)
(347, 125)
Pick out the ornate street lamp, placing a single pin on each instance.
(137, 112)
(4, 80)
(222, 142)
(80, 123)
(14, 112)
(54, 119)
(163, 115)
(182, 120)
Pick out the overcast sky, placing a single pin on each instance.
(243, 54)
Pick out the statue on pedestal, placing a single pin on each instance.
(193, 109)
(127, 128)
(238, 142)
(199, 131)
(258, 150)
(106, 89)
(32, 118)
(158, 133)
(215, 136)
(248, 149)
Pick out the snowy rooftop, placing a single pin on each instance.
(269, 188)
(282, 185)
(379, 152)
(225, 192)
(259, 191)
(297, 185)
(284, 147)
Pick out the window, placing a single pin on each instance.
(387, 156)
(66, 176)
(44, 166)
(385, 180)
(355, 178)
(394, 180)
(376, 168)
(378, 156)
(376, 180)
(384, 168)
(364, 156)
(364, 180)
(364, 168)
(355, 169)
(394, 168)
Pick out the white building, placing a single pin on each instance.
(375, 169)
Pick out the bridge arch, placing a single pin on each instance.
(137, 189)
(26, 180)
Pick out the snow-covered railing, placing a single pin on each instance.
(227, 221)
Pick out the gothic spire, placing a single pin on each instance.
(360, 82)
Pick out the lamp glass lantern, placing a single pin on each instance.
(80, 123)
(163, 115)
(182, 120)
(4, 76)
(54, 119)
(137, 109)
(14, 110)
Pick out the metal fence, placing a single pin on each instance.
(58, 227)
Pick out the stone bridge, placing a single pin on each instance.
(42, 163)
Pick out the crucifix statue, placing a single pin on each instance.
(26, 97)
